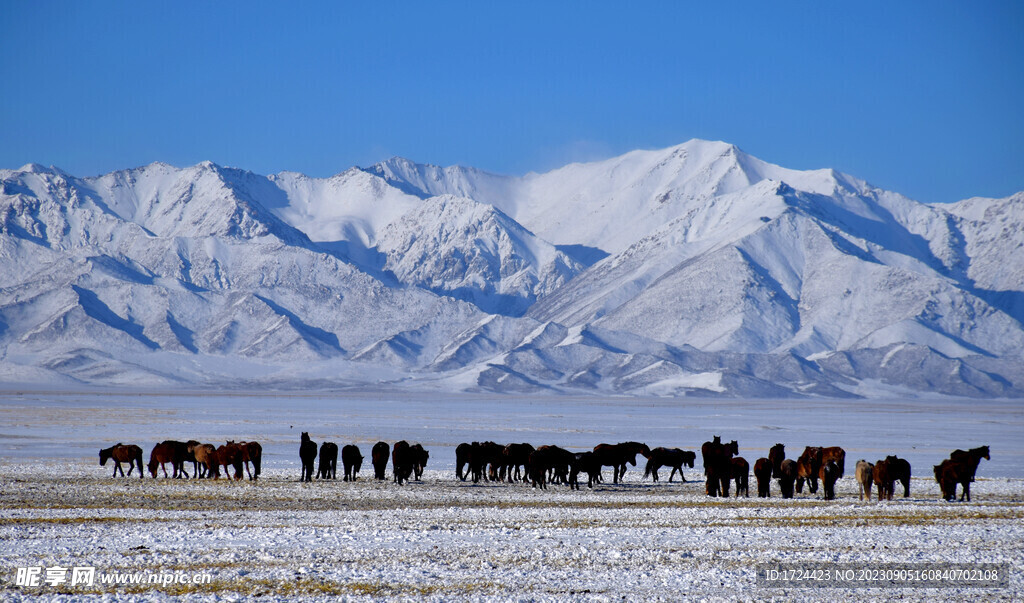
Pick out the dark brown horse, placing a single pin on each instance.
(307, 454)
(883, 479)
(618, 455)
(763, 474)
(584, 462)
(718, 465)
(900, 471)
(252, 452)
(830, 474)
(960, 468)
(837, 454)
(230, 455)
(787, 477)
(551, 460)
(379, 455)
(808, 466)
(776, 454)
(352, 460)
(462, 460)
(328, 466)
(419, 460)
(401, 462)
(741, 473)
(482, 455)
(123, 453)
(517, 458)
(669, 457)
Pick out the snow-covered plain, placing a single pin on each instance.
(442, 539)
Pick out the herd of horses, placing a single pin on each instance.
(521, 462)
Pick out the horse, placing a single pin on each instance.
(554, 460)
(252, 452)
(883, 480)
(307, 454)
(837, 454)
(584, 462)
(776, 454)
(669, 457)
(517, 456)
(830, 473)
(865, 477)
(206, 456)
(190, 457)
(328, 466)
(787, 477)
(763, 474)
(718, 465)
(419, 460)
(949, 473)
(900, 471)
(971, 458)
(617, 455)
(741, 473)
(462, 460)
(123, 453)
(164, 452)
(482, 454)
(231, 454)
(379, 458)
(807, 468)
(352, 460)
(401, 462)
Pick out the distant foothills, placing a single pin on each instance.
(696, 270)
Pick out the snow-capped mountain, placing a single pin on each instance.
(693, 269)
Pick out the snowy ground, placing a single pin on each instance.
(443, 539)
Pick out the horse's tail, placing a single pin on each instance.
(648, 468)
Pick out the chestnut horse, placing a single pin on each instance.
(883, 480)
(808, 466)
(252, 452)
(168, 451)
(617, 455)
(123, 453)
(669, 457)
(230, 455)
(379, 457)
(206, 457)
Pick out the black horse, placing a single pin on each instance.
(379, 455)
(352, 460)
(328, 468)
(307, 453)
(669, 457)
(617, 455)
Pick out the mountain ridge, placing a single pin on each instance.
(692, 270)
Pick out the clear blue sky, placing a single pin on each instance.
(920, 97)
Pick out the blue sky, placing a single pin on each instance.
(920, 97)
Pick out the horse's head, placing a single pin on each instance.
(305, 436)
(717, 440)
(984, 453)
(891, 458)
(733, 447)
(152, 467)
(105, 455)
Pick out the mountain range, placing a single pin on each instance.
(692, 270)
